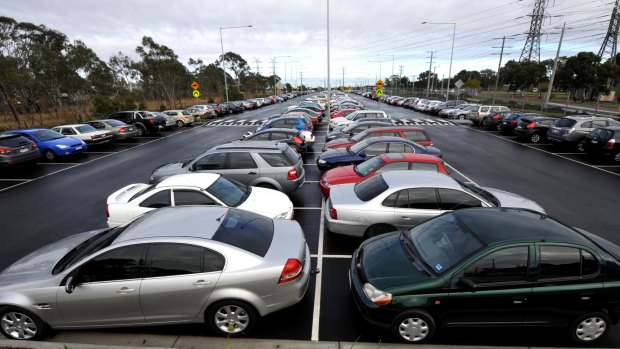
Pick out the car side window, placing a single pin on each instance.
(67, 131)
(587, 124)
(261, 137)
(174, 259)
(506, 265)
(375, 149)
(240, 161)
(390, 201)
(566, 262)
(278, 123)
(415, 136)
(123, 263)
(157, 200)
(454, 199)
(191, 197)
(599, 123)
(394, 166)
(423, 198)
(398, 148)
(210, 162)
(424, 166)
(97, 125)
(277, 136)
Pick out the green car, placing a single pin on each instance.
(484, 267)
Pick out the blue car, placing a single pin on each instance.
(296, 122)
(52, 144)
(369, 148)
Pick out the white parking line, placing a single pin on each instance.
(569, 153)
(60, 163)
(307, 208)
(336, 256)
(311, 182)
(610, 166)
(14, 179)
(98, 152)
(310, 165)
(316, 314)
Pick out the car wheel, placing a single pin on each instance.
(616, 157)
(378, 229)
(19, 324)
(581, 145)
(49, 155)
(535, 137)
(414, 326)
(499, 126)
(461, 117)
(140, 131)
(484, 123)
(590, 328)
(179, 123)
(231, 318)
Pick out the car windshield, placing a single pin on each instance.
(443, 242)
(47, 135)
(88, 247)
(477, 191)
(369, 188)
(115, 123)
(229, 191)
(143, 191)
(85, 129)
(359, 136)
(351, 116)
(563, 122)
(245, 230)
(368, 166)
(356, 148)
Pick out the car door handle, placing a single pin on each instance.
(519, 300)
(125, 290)
(406, 217)
(252, 173)
(202, 283)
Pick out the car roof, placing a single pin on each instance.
(416, 179)
(394, 128)
(251, 145)
(501, 224)
(28, 130)
(181, 221)
(277, 129)
(69, 125)
(409, 157)
(373, 140)
(200, 180)
(586, 117)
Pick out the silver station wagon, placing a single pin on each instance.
(190, 264)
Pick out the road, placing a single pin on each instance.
(59, 199)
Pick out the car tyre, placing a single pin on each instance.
(49, 155)
(461, 117)
(140, 131)
(535, 137)
(499, 126)
(231, 318)
(581, 145)
(590, 328)
(616, 157)
(414, 326)
(378, 229)
(20, 324)
(179, 123)
(484, 123)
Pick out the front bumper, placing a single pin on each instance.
(371, 312)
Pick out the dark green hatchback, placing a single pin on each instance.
(488, 267)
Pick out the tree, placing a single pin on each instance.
(487, 78)
(584, 76)
(236, 63)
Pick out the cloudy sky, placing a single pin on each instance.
(369, 38)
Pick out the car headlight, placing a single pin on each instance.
(321, 161)
(376, 295)
(62, 146)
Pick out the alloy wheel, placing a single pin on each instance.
(231, 319)
(535, 138)
(18, 326)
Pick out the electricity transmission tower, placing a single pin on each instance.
(531, 50)
(610, 44)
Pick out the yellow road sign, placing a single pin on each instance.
(195, 85)
(196, 93)
(349, 88)
(379, 92)
(379, 84)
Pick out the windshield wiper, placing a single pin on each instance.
(413, 253)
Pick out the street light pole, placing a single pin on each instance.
(223, 62)
(451, 53)
(555, 67)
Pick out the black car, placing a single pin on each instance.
(222, 109)
(356, 127)
(510, 122)
(493, 121)
(144, 123)
(17, 150)
(292, 137)
(488, 267)
(533, 128)
(604, 142)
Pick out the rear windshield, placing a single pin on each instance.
(565, 123)
(47, 135)
(602, 133)
(370, 188)
(247, 231)
(231, 192)
(13, 140)
(115, 123)
(368, 166)
(85, 129)
(288, 158)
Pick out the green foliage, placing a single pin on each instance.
(128, 104)
(162, 107)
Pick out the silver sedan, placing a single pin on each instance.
(402, 199)
(173, 265)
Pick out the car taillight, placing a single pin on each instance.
(5, 150)
(107, 211)
(478, 115)
(33, 145)
(152, 122)
(530, 125)
(291, 271)
(292, 174)
(297, 140)
(122, 129)
(610, 144)
(333, 214)
(512, 122)
(306, 127)
(496, 116)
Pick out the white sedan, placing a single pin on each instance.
(85, 133)
(195, 189)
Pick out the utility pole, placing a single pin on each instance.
(434, 79)
(532, 43)
(428, 78)
(301, 77)
(342, 79)
(400, 78)
(499, 66)
(610, 44)
(257, 61)
(273, 65)
(555, 66)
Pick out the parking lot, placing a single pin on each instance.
(66, 197)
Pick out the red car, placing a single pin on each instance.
(313, 117)
(379, 164)
(341, 113)
(412, 133)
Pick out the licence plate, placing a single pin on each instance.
(23, 150)
(130, 129)
(78, 148)
(555, 130)
(594, 141)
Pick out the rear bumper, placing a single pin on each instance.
(19, 159)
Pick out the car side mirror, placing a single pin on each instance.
(70, 284)
(467, 283)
